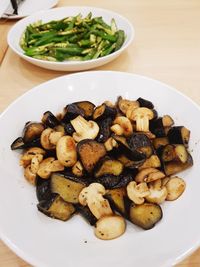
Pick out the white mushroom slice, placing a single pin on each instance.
(49, 165)
(55, 136)
(125, 124)
(110, 144)
(29, 175)
(142, 116)
(35, 163)
(44, 139)
(110, 227)
(137, 193)
(175, 188)
(117, 129)
(92, 196)
(157, 192)
(149, 175)
(26, 158)
(66, 151)
(84, 129)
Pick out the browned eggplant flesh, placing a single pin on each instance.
(109, 162)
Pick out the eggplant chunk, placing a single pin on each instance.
(174, 152)
(20, 144)
(158, 126)
(116, 199)
(104, 111)
(32, 130)
(174, 167)
(109, 181)
(125, 104)
(160, 141)
(67, 186)
(109, 166)
(126, 177)
(43, 189)
(69, 129)
(87, 107)
(90, 152)
(145, 215)
(56, 207)
(145, 103)
(130, 164)
(152, 162)
(87, 214)
(179, 135)
(141, 143)
(71, 111)
(50, 120)
(104, 130)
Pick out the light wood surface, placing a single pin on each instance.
(166, 47)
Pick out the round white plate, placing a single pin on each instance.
(16, 31)
(28, 7)
(45, 242)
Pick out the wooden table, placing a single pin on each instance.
(166, 47)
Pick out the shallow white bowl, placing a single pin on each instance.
(16, 31)
(45, 242)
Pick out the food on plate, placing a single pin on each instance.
(109, 163)
(74, 38)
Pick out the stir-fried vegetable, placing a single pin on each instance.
(72, 38)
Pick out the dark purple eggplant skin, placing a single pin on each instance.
(138, 140)
(20, 144)
(72, 111)
(50, 120)
(44, 205)
(43, 189)
(69, 129)
(86, 214)
(145, 103)
(104, 130)
(68, 175)
(109, 112)
(109, 181)
(126, 178)
(175, 137)
(157, 128)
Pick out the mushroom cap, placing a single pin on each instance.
(142, 112)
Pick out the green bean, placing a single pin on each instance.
(71, 38)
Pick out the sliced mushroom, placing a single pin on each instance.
(122, 126)
(137, 193)
(66, 151)
(26, 158)
(49, 165)
(175, 188)
(92, 196)
(110, 227)
(124, 104)
(29, 175)
(142, 116)
(49, 138)
(157, 192)
(84, 129)
(149, 175)
(110, 144)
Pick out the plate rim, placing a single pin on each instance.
(28, 258)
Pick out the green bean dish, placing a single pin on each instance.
(74, 38)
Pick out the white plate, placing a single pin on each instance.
(15, 33)
(45, 242)
(28, 7)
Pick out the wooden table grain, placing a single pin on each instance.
(166, 47)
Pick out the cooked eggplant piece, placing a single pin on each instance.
(43, 189)
(69, 129)
(71, 111)
(109, 181)
(87, 214)
(130, 164)
(125, 149)
(19, 143)
(160, 141)
(174, 152)
(50, 120)
(125, 178)
(32, 130)
(179, 135)
(56, 207)
(159, 126)
(145, 103)
(104, 130)
(116, 199)
(145, 215)
(67, 186)
(108, 166)
(151, 162)
(90, 152)
(174, 167)
(104, 111)
(87, 107)
(141, 143)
